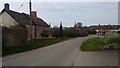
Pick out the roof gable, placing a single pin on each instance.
(19, 17)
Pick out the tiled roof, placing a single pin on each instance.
(25, 18)
(37, 21)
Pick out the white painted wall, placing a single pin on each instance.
(6, 20)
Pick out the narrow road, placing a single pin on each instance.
(62, 54)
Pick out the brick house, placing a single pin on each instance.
(12, 18)
(103, 29)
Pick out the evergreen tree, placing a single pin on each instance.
(61, 30)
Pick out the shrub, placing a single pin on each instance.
(91, 31)
(45, 33)
(55, 32)
(72, 32)
(112, 41)
(112, 38)
(83, 33)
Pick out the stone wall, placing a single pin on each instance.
(14, 36)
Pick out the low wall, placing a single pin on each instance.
(44, 39)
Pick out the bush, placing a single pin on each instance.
(72, 32)
(83, 33)
(91, 31)
(112, 41)
(109, 42)
(55, 32)
(112, 38)
(45, 33)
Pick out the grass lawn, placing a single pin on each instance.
(34, 45)
(93, 44)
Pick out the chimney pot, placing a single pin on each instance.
(6, 6)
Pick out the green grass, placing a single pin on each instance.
(93, 44)
(110, 41)
(34, 45)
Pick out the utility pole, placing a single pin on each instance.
(30, 21)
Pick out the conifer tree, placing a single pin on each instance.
(61, 30)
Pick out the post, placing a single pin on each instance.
(99, 29)
(30, 21)
(109, 27)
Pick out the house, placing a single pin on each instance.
(10, 18)
(103, 29)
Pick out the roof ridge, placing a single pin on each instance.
(15, 11)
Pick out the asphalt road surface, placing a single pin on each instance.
(63, 54)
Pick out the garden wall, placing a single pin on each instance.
(14, 36)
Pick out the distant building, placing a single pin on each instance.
(102, 30)
(10, 18)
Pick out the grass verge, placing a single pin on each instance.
(93, 44)
(34, 45)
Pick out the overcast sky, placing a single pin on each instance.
(89, 13)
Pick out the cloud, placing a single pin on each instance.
(86, 12)
(60, 0)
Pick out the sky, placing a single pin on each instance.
(88, 12)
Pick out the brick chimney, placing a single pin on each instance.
(6, 6)
(34, 14)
